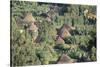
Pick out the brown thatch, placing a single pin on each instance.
(64, 58)
(64, 31)
(59, 40)
(29, 18)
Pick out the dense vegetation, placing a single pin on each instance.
(81, 45)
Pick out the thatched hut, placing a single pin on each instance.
(64, 58)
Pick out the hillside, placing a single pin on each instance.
(44, 33)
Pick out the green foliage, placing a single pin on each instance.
(77, 53)
(26, 52)
(93, 54)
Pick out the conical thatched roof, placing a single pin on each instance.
(29, 18)
(64, 58)
(59, 40)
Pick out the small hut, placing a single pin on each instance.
(29, 18)
(64, 58)
(65, 30)
(59, 40)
